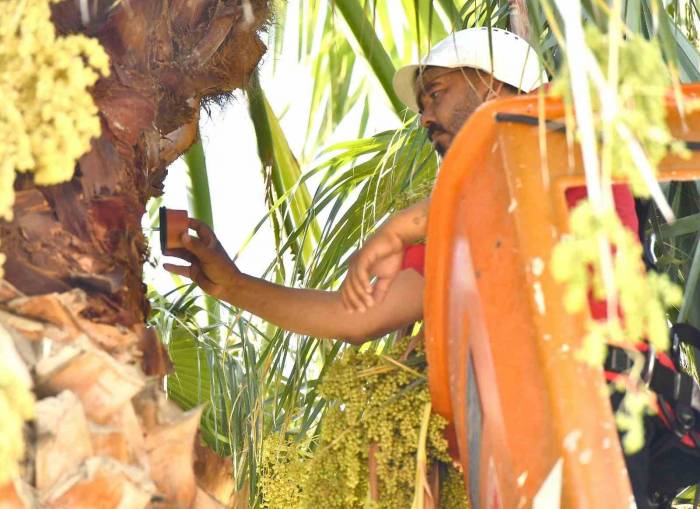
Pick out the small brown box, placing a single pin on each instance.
(173, 223)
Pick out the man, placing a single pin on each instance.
(459, 74)
(454, 79)
(669, 459)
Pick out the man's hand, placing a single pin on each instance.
(210, 267)
(380, 257)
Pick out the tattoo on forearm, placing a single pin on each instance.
(420, 217)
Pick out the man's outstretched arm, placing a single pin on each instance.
(381, 257)
(310, 312)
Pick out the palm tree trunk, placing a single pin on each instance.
(74, 301)
(519, 22)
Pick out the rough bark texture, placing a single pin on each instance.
(74, 302)
(166, 56)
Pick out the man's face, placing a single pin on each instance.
(448, 97)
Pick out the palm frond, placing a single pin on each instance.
(284, 174)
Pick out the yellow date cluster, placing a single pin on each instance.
(47, 116)
(372, 403)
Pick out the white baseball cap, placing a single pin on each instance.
(514, 61)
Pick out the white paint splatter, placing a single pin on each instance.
(546, 336)
(571, 440)
(537, 266)
(522, 478)
(606, 443)
(565, 348)
(585, 456)
(539, 298)
(513, 205)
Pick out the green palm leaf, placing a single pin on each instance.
(283, 173)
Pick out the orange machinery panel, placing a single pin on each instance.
(533, 424)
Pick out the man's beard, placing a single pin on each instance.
(459, 117)
(434, 129)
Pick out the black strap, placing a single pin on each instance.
(515, 118)
(618, 360)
